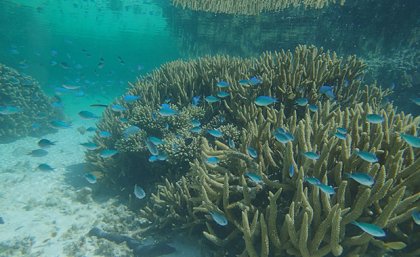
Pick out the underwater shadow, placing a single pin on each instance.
(75, 178)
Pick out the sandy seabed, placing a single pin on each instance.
(50, 213)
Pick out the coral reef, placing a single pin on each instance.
(251, 7)
(271, 212)
(284, 214)
(27, 110)
(286, 75)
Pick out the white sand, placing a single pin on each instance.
(50, 213)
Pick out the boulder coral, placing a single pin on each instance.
(32, 108)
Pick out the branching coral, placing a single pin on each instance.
(281, 213)
(284, 75)
(31, 107)
(251, 7)
(285, 214)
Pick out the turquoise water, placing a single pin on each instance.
(98, 48)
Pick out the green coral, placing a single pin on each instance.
(23, 92)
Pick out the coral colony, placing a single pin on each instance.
(262, 172)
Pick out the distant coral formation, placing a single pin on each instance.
(251, 7)
(244, 173)
(24, 108)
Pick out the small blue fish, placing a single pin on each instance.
(91, 129)
(129, 131)
(291, 170)
(104, 134)
(87, 115)
(213, 160)
(90, 146)
(152, 148)
(9, 110)
(411, 140)
(165, 110)
(361, 178)
(282, 137)
(311, 155)
(222, 84)
(107, 153)
(254, 81)
(155, 140)
(416, 217)
(38, 153)
(231, 143)
(327, 90)
(416, 100)
(254, 177)
(244, 82)
(118, 108)
(265, 100)
(196, 129)
(367, 156)
(340, 136)
(139, 192)
(162, 156)
(286, 133)
(45, 167)
(211, 99)
(196, 100)
(131, 98)
(326, 189)
(301, 101)
(313, 108)
(45, 143)
(369, 228)
(313, 181)
(215, 132)
(219, 218)
(251, 152)
(90, 178)
(342, 131)
(195, 123)
(223, 94)
(59, 124)
(330, 94)
(153, 158)
(374, 118)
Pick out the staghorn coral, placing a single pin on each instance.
(251, 7)
(34, 106)
(286, 215)
(286, 75)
